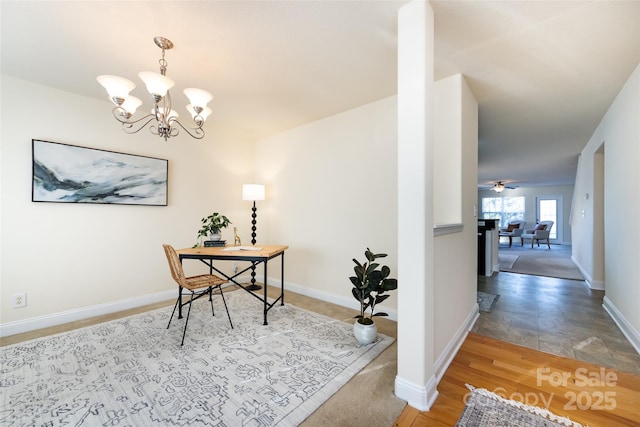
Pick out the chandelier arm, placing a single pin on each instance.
(196, 132)
(131, 126)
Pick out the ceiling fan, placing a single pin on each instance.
(499, 187)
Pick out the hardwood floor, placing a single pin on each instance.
(482, 361)
(607, 397)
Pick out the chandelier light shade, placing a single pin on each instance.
(162, 119)
(499, 187)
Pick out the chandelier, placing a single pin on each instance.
(164, 120)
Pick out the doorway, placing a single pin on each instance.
(550, 208)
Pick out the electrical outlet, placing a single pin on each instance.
(235, 267)
(19, 300)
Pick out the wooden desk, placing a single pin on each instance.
(231, 253)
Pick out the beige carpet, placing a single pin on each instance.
(540, 261)
(506, 261)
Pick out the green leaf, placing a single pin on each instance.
(380, 298)
(381, 314)
(389, 284)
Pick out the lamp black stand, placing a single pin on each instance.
(253, 286)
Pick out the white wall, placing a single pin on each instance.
(447, 149)
(455, 254)
(530, 194)
(331, 193)
(72, 258)
(619, 131)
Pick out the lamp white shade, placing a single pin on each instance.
(156, 83)
(198, 97)
(117, 87)
(252, 192)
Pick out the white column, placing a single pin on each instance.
(415, 381)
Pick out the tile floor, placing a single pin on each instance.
(557, 316)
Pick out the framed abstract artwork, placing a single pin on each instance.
(71, 174)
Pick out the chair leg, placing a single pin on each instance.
(176, 306)
(521, 241)
(549, 244)
(532, 243)
(213, 313)
(225, 305)
(187, 319)
(173, 312)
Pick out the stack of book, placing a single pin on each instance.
(216, 243)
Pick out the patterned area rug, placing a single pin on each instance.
(133, 372)
(487, 409)
(487, 301)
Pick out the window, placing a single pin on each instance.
(506, 209)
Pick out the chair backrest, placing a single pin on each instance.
(549, 225)
(541, 233)
(522, 224)
(174, 264)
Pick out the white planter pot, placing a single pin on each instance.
(215, 237)
(365, 334)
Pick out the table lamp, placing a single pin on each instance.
(253, 192)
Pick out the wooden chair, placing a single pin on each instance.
(199, 286)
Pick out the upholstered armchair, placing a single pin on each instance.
(539, 232)
(513, 229)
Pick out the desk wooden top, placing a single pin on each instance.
(264, 251)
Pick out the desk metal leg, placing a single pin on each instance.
(264, 285)
(282, 279)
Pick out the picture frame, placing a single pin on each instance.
(65, 173)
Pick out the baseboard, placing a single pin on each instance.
(627, 329)
(449, 352)
(48, 320)
(332, 298)
(596, 285)
(55, 319)
(417, 396)
(593, 284)
(423, 397)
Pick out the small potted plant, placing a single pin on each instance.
(370, 285)
(213, 225)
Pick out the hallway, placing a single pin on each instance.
(558, 316)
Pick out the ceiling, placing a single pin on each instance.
(543, 72)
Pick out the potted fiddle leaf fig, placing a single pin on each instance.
(370, 286)
(213, 225)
